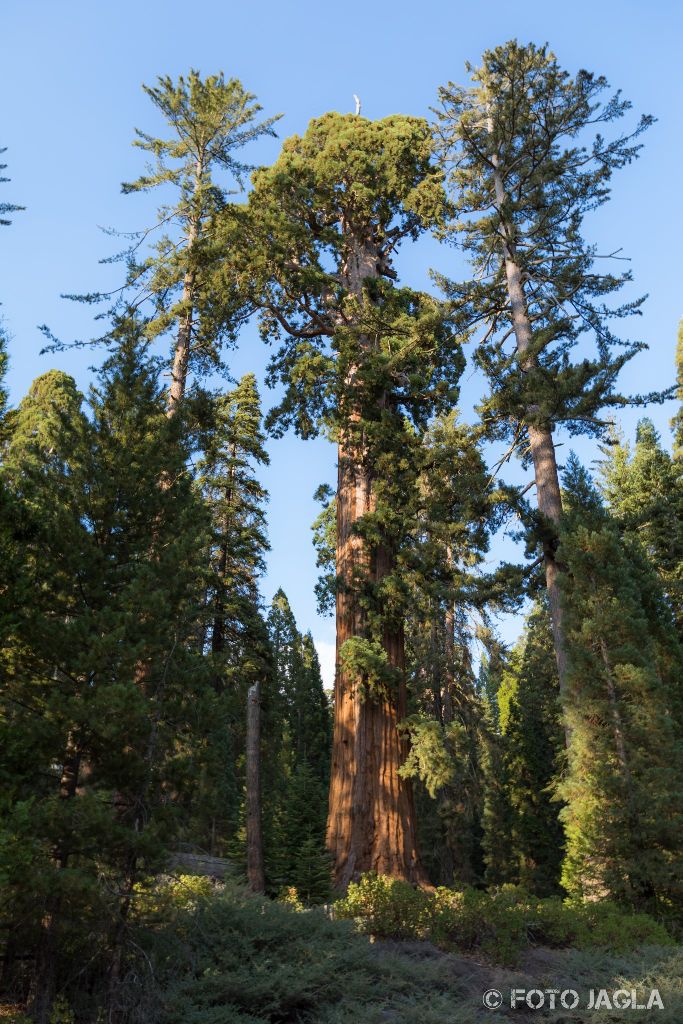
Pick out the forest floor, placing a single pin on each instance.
(466, 979)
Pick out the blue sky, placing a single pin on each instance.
(71, 97)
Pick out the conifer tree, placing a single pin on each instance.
(624, 819)
(360, 359)
(452, 513)
(300, 748)
(497, 817)
(644, 489)
(240, 653)
(521, 181)
(92, 742)
(233, 451)
(210, 120)
(532, 742)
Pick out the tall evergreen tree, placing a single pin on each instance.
(644, 489)
(497, 817)
(361, 358)
(234, 633)
(624, 818)
(522, 180)
(92, 741)
(532, 742)
(211, 120)
(301, 752)
(233, 452)
(452, 514)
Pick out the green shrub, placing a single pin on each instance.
(606, 926)
(385, 907)
(500, 924)
(495, 923)
(239, 959)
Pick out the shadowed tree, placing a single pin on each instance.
(624, 817)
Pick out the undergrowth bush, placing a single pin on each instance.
(500, 924)
(238, 959)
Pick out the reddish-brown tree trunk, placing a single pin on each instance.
(371, 818)
(255, 869)
(371, 823)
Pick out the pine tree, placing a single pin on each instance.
(92, 741)
(497, 816)
(360, 359)
(452, 513)
(234, 450)
(532, 741)
(211, 120)
(237, 644)
(300, 752)
(303, 863)
(624, 820)
(644, 489)
(522, 180)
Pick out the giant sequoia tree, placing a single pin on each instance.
(368, 362)
(522, 180)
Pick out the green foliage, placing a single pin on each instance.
(298, 727)
(103, 693)
(521, 180)
(240, 960)
(177, 278)
(677, 421)
(501, 924)
(624, 817)
(532, 741)
(367, 660)
(644, 490)
(360, 358)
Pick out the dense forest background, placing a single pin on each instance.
(168, 742)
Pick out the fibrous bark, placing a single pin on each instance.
(371, 822)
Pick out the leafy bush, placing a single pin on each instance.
(500, 923)
(384, 907)
(239, 959)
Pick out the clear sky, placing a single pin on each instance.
(72, 72)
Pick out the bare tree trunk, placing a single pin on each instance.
(548, 494)
(255, 870)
